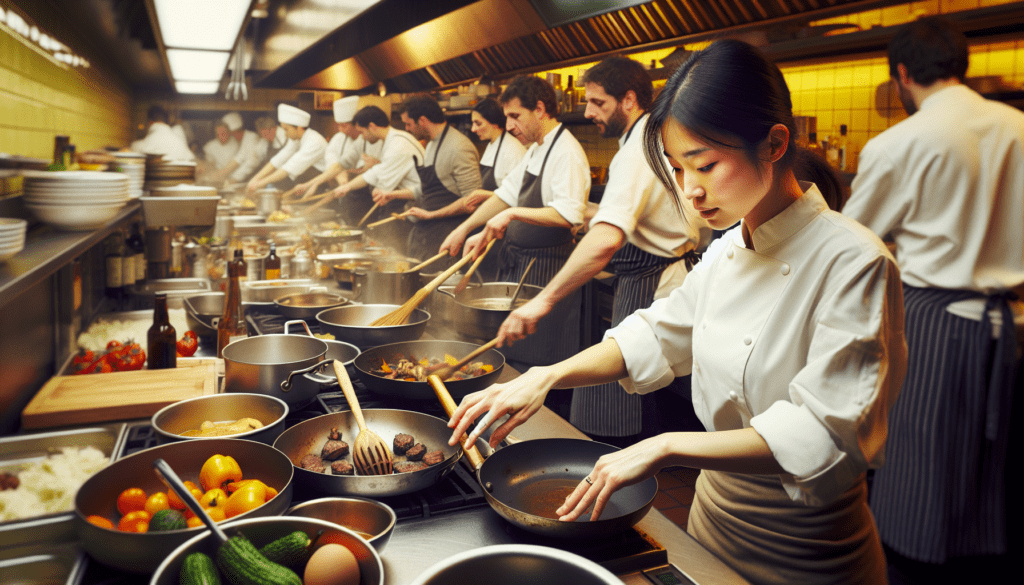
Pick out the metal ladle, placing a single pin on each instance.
(519, 287)
(172, 481)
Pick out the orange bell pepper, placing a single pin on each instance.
(233, 487)
(214, 498)
(384, 367)
(248, 497)
(218, 471)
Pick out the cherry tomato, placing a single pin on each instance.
(175, 502)
(113, 344)
(193, 522)
(137, 521)
(157, 502)
(100, 521)
(130, 500)
(188, 344)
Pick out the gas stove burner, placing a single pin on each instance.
(623, 553)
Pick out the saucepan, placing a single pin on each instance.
(371, 360)
(282, 366)
(345, 353)
(525, 482)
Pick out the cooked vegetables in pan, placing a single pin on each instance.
(412, 370)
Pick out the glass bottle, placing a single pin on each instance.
(161, 339)
(114, 267)
(137, 245)
(813, 145)
(232, 323)
(568, 96)
(127, 268)
(273, 264)
(841, 145)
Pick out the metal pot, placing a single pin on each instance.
(346, 353)
(382, 286)
(270, 201)
(307, 305)
(283, 366)
(440, 306)
(352, 324)
(468, 312)
(512, 564)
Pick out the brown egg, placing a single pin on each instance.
(331, 564)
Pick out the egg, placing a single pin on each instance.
(331, 564)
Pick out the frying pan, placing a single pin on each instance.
(308, 438)
(525, 483)
(371, 360)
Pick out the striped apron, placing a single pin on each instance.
(941, 492)
(427, 235)
(551, 246)
(607, 409)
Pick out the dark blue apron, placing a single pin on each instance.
(427, 235)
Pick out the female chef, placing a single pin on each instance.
(503, 152)
(791, 325)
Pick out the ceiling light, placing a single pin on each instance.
(197, 65)
(205, 87)
(201, 24)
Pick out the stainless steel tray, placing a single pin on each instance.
(44, 564)
(19, 450)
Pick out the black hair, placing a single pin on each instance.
(730, 95)
(156, 113)
(530, 90)
(931, 48)
(491, 111)
(421, 104)
(371, 114)
(617, 75)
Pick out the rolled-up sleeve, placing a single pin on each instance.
(567, 174)
(286, 152)
(397, 161)
(311, 150)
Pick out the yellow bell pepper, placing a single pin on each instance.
(219, 471)
(233, 487)
(214, 498)
(248, 497)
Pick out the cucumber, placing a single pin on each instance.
(198, 569)
(167, 520)
(242, 564)
(291, 551)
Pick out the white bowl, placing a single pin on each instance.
(64, 177)
(74, 217)
(8, 241)
(7, 254)
(12, 223)
(76, 201)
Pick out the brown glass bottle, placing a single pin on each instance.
(161, 339)
(232, 323)
(273, 264)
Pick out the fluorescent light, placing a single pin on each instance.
(201, 24)
(197, 65)
(206, 87)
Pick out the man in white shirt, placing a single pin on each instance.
(251, 151)
(649, 239)
(219, 152)
(300, 159)
(161, 139)
(946, 186)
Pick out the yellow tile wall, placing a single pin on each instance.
(40, 99)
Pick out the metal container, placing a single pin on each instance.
(263, 531)
(269, 202)
(177, 289)
(283, 366)
(481, 324)
(346, 353)
(143, 553)
(373, 520)
(265, 291)
(223, 226)
(307, 305)
(255, 267)
(513, 564)
(344, 265)
(44, 564)
(383, 286)
(371, 359)
(174, 419)
(17, 450)
(352, 324)
(301, 266)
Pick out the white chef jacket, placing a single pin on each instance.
(566, 180)
(335, 147)
(251, 152)
(298, 155)
(352, 155)
(637, 203)
(949, 191)
(161, 139)
(511, 153)
(800, 338)
(220, 155)
(400, 154)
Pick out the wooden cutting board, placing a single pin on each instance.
(91, 398)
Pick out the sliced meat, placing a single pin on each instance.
(434, 457)
(407, 466)
(416, 452)
(403, 443)
(342, 467)
(312, 463)
(334, 449)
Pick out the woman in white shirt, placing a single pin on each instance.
(503, 151)
(792, 328)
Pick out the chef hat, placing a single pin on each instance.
(291, 115)
(233, 121)
(345, 109)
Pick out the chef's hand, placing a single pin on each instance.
(453, 243)
(613, 472)
(475, 245)
(252, 187)
(383, 197)
(520, 398)
(306, 189)
(420, 213)
(339, 191)
(369, 161)
(523, 321)
(496, 226)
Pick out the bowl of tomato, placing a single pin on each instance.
(126, 518)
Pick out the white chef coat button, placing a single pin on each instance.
(785, 269)
(733, 396)
(747, 340)
(728, 253)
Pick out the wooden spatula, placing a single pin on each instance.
(370, 454)
(445, 371)
(400, 315)
(465, 279)
(368, 214)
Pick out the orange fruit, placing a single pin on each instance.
(135, 521)
(130, 500)
(156, 502)
(100, 521)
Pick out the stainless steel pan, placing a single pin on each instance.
(307, 305)
(371, 360)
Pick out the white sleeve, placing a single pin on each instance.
(874, 200)
(398, 160)
(310, 152)
(286, 152)
(567, 174)
(629, 188)
(249, 156)
(335, 149)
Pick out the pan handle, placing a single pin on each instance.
(286, 385)
(304, 324)
(475, 458)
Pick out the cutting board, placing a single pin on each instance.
(92, 398)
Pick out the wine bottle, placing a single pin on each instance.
(161, 339)
(232, 323)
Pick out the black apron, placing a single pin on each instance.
(427, 235)
(941, 492)
(490, 183)
(551, 246)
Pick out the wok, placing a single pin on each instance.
(525, 483)
(371, 359)
(308, 437)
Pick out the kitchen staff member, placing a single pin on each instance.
(947, 189)
(250, 154)
(302, 157)
(538, 207)
(219, 152)
(638, 229)
(451, 172)
(161, 139)
(792, 324)
(400, 155)
(500, 156)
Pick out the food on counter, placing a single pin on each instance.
(223, 429)
(340, 232)
(247, 203)
(188, 344)
(8, 481)
(49, 485)
(324, 336)
(117, 357)
(334, 448)
(412, 370)
(292, 550)
(342, 467)
(332, 564)
(278, 217)
(409, 466)
(133, 325)
(242, 564)
(416, 452)
(403, 443)
(312, 463)
(433, 457)
(131, 500)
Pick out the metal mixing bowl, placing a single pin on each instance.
(142, 553)
(373, 520)
(352, 324)
(263, 531)
(514, 564)
(174, 419)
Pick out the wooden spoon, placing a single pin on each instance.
(425, 263)
(368, 214)
(519, 287)
(444, 371)
(465, 279)
(475, 458)
(370, 453)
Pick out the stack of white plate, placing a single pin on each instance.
(12, 237)
(75, 200)
(133, 164)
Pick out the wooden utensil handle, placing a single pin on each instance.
(318, 204)
(475, 353)
(350, 393)
(447, 273)
(423, 264)
(475, 458)
(368, 214)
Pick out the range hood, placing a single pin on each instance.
(418, 45)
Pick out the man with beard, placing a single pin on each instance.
(945, 186)
(647, 238)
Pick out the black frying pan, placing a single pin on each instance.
(526, 482)
(371, 360)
